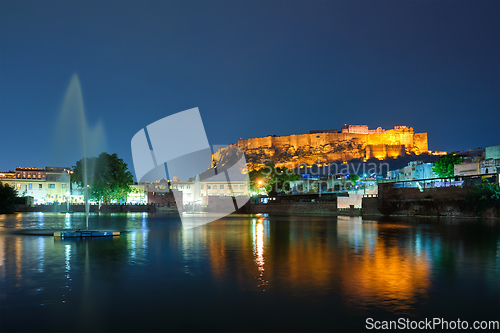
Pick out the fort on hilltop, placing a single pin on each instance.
(327, 146)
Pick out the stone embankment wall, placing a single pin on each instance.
(81, 208)
(441, 201)
(329, 207)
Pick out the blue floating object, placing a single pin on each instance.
(77, 233)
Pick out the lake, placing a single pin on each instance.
(245, 273)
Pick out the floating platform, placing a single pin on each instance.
(79, 233)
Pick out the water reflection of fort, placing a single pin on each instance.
(384, 271)
(371, 263)
(368, 263)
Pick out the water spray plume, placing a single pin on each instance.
(75, 139)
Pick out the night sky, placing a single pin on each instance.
(253, 68)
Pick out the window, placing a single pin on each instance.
(30, 187)
(52, 185)
(175, 187)
(222, 187)
(202, 187)
(188, 187)
(182, 187)
(40, 186)
(215, 187)
(18, 186)
(64, 185)
(242, 186)
(208, 187)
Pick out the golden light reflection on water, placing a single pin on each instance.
(309, 263)
(217, 254)
(362, 260)
(388, 275)
(2, 257)
(259, 250)
(19, 219)
(19, 263)
(361, 265)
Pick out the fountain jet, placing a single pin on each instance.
(75, 139)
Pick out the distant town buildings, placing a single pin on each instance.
(415, 170)
(52, 185)
(198, 192)
(479, 161)
(47, 185)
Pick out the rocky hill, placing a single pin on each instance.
(328, 146)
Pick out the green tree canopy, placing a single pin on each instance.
(271, 180)
(8, 197)
(353, 178)
(444, 167)
(108, 177)
(483, 197)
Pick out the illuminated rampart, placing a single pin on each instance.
(327, 147)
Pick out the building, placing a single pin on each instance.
(46, 186)
(363, 129)
(160, 194)
(491, 163)
(329, 146)
(7, 176)
(492, 152)
(194, 191)
(471, 165)
(468, 168)
(138, 195)
(415, 170)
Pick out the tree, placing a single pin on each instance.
(483, 197)
(353, 178)
(107, 175)
(8, 197)
(444, 167)
(271, 180)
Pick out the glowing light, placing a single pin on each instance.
(259, 252)
(67, 257)
(258, 238)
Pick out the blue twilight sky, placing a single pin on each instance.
(254, 68)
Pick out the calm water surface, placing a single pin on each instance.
(245, 273)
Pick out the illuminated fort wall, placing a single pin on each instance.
(332, 147)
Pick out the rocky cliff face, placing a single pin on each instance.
(307, 149)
